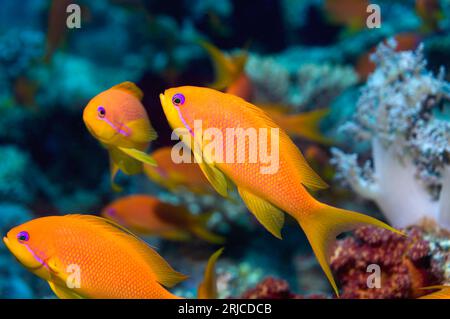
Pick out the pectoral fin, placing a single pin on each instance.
(139, 155)
(63, 292)
(217, 179)
(268, 215)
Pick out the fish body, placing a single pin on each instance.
(351, 13)
(267, 195)
(117, 118)
(176, 176)
(147, 215)
(430, 11)
(110, 261)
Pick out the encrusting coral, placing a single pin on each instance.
(406, 263)
(273, 288)
(398, 115)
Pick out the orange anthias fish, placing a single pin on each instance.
(117, 118)
(176, 176)
(266, 193)
(147, 215)
(84, 256)
(230, 72)
(442, 293)
(430, 11)
(351, 13)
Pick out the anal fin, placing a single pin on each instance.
(271, 217)
(63, 292)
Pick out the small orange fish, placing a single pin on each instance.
(84, 256)
(405, 41)
(176, 176)
(443, 293)
(147, 215)
(25, 92)
(351, 13)
(230, 72)
(430, 11)
(266, 193)
(117, 118)
(57, 29)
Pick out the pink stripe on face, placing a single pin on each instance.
(117, 129)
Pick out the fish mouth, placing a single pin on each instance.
(6, 241)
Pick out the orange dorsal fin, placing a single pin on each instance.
(309, 177)
(130, 88)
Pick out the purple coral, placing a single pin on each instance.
(405, 263)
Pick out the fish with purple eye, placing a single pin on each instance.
(101, 112)
(23, 236)
(178, 99)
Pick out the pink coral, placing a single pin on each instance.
(273, 288)
(405, 263)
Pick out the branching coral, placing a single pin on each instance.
(302, 86)
(406, 263)
(408, 174)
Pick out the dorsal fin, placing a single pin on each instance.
(309, 177)
(130, 88)
(163, 272)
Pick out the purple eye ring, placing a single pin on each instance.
(101, 111)
(23, 236)
(178, 99)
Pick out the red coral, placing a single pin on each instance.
(404, 262)
(273, 288)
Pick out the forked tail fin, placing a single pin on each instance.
(307, 125)
(324, 223)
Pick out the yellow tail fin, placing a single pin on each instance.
(208, 287)
(442, 293)
(324, 223)
(226, 68)
(306, 125)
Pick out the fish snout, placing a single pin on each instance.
(6, 241)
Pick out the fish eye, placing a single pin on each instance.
(101, 111)
(178, 99)
(23, 236)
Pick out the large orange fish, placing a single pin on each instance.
(176, 176)
(83, 256)
(267, 193)
(230, 73)
(147, 215)
(117, 118)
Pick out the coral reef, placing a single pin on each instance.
(273, 288)
(303, 87)
(406, 263)
(398, 115)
